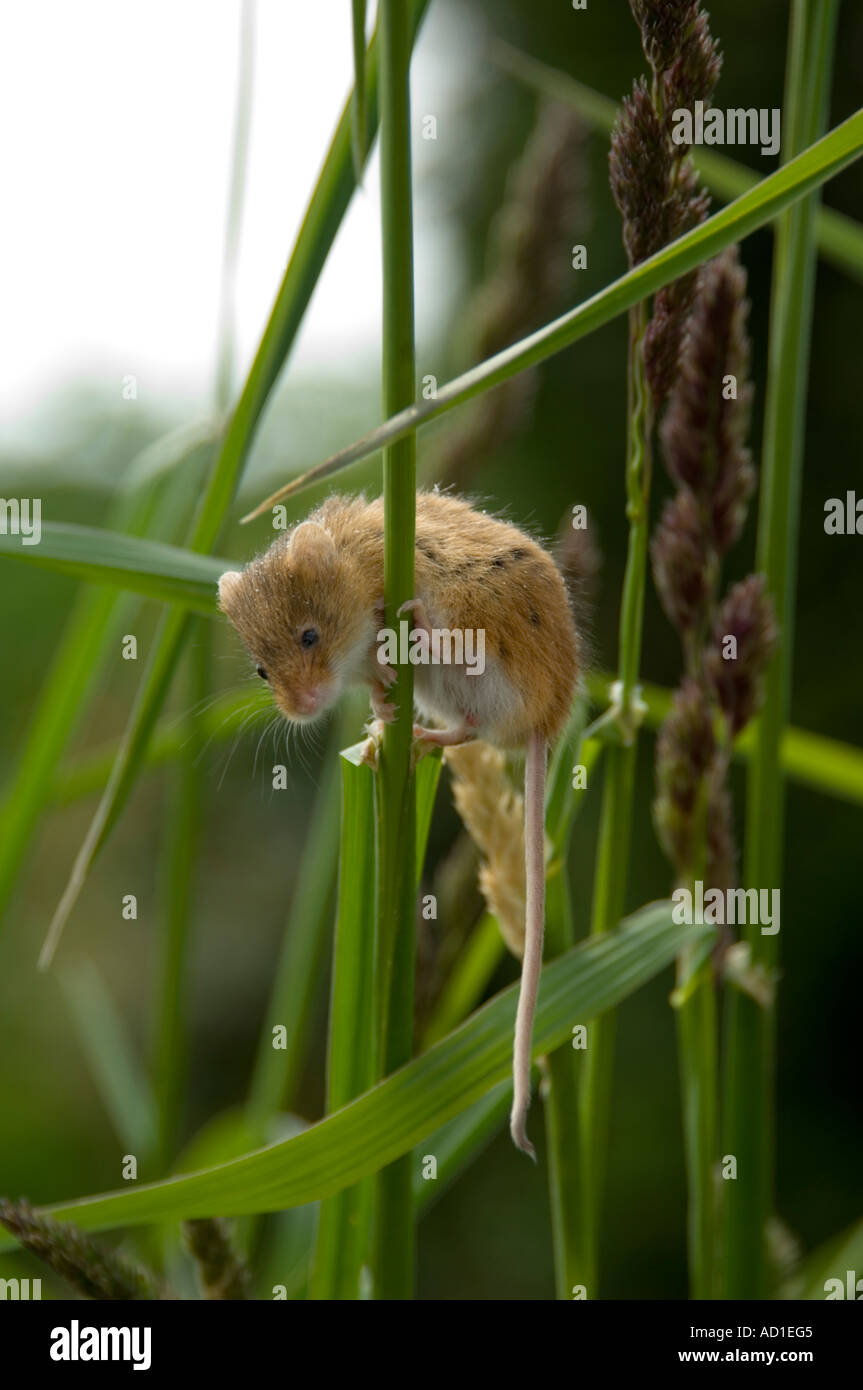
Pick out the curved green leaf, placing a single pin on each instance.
(156, 491)
(118, 1075)
(97, 556)
(840, 238)
(750, 1038)
(344, 1223)
(387, 1121)
(358, 108)
(832, 1260)
(326, 208)
(824, 764)
(754, 209)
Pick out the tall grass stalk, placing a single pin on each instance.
(293, 997)
(358, 112)
(750, 1058)
(822, 764)
(562, 1067)
(840, 238)
(182, 838)
(157, 487)
(395, 891)
(343, 1245)
(276, 1071)
(697, 1051)
(327, 206)
(612, 858)
(746, 214)
(560, 1097)
(480, 957)
(398, 1113)
(115, 1067)
(342, 1249)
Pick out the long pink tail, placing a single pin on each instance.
(534, 926)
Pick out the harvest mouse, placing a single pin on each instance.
(310, 610)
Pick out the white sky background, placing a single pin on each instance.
(117, 124)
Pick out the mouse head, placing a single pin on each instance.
(302, 619)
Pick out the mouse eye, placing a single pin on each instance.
(262, 673)
(309, 637)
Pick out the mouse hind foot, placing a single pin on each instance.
(464, 732)
(425, 740)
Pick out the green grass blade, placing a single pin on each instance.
(751, 1027)
(769, 198)
(823, 764)
(181, 840)
(167, 645)
(832, 1260)
(358, 108)
(616, 811)
(698, 1066)
(426, 780)
(328, 205)
(96, 556)
(395, 794)
(295, 994)
(813, 761)
(119, 1076)
(344, 1226)
(840, 238)
(457, 1144)
(468, 979)
(323, 218)
(399, 1112)
(562, 1075)
(158, 487)
(564, 801)
(277, 1071)
(286, 1255)
(87, 773)
(562, 1126)
(612, 859)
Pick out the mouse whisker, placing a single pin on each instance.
(267, 727)
(252, 712)
(249, 719)
(275, 729)
(301, 735)
(199, 707)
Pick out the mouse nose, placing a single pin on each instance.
(308, 700)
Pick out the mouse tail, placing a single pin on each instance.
(534, 927)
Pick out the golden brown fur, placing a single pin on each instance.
(473, 571)
(310, 612)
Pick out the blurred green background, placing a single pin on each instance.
(488, 1237)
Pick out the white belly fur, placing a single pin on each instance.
(448, 695)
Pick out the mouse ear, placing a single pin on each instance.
(309, 541)
(229, 584)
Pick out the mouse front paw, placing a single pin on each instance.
(385, 711)
(386, 675)
(420, 617)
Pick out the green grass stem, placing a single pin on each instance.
(612, 859)
(395, 886)
(839, 238)
(750, 1063)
